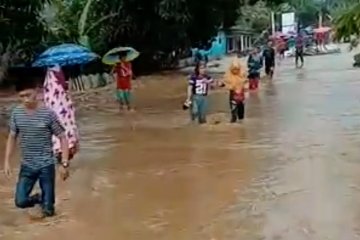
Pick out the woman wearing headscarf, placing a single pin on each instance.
(255, 63)
(234, 80)
(58, 99)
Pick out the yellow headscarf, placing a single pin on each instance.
(235, 77)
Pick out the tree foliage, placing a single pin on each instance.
(255, 17)
(156, 28)
(21, 31)
(347, 25)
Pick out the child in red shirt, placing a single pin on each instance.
(124, 74)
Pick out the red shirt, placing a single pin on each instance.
(239, 96)
(123, 76)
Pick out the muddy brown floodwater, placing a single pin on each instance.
(289, 171)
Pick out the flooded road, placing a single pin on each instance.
(289, 171)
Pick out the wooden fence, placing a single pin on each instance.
(85, 82)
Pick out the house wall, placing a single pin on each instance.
(217, 49)
(225, 43)
(238, 43)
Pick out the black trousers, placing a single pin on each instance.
(237, 109)
(299, 54)
(269, 68)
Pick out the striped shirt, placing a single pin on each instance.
(35, 131)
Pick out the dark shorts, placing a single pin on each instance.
(254, 75)
(299, 52)
(269, 68)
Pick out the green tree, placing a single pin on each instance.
(71, 21)
(255, 17)
(154, 27)
(21, 32)
(158, 28)
(347, 25)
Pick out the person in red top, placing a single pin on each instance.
(281, 48)
(124, 75)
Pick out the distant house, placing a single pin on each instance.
(233, 40)
(238, 39)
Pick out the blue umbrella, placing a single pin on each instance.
(65, 55)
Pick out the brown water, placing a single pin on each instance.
(290, 171)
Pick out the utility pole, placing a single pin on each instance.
(323, 3)
(273, 23)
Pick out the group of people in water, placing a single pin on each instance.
(235, 80)
(296, 43)
(48, 133)
(199, 83)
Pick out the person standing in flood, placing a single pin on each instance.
(234, 81)
(281, 48)
(124, 75)
(57, 98)
(269, 58)
(34, 125)
(197, 93)
(255, 63)
(299, 51)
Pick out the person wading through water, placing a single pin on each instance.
(197, 92)
(299, 51)
(35, 125)
(57, 98)
(269, 58)
(255, 63)
(124, 75)
(235, 80)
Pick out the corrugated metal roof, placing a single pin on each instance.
(237, 30)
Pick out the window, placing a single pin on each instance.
(230, 44)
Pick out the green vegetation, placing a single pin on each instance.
(21, 31)
(347, 23)
(154, 27)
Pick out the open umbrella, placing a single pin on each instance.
(112, 57)
(322, 29)
(65, 55)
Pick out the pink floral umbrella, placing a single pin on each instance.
(58, 99)
(278, 35)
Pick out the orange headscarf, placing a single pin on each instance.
(235, 77)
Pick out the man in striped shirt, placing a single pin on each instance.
(35, 125)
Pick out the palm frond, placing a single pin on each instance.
(100, 21)
(84, 17)
(348, 24)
